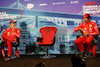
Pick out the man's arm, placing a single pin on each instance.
(79, 28)
(5, 33)
(17, 32)
(96, 30)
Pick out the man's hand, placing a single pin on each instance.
(2, 39)
(85, 33)
(13, 29)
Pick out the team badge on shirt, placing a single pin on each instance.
(90, 25)
(85, 28)
(8, 32)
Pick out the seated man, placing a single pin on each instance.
(88, 29)
(9, 38)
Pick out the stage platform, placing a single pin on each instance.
(58, 61)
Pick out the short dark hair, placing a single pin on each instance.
(88, 16)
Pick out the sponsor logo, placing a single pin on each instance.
(29, 5)
(90, 25)
(90, 29)
(43, 4)
(58, 3)
(8, 33)
(26, 0)
(85, 28)
(74, 2)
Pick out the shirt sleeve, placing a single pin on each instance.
(5, 32)
(96, 30)
(77, 28)
(17, 33)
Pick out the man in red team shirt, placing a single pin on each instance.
(88, 29)
(9, 38)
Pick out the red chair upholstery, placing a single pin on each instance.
(48, 37)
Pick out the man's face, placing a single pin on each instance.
(87, 20)
(12, 25)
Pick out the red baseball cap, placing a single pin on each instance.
(12, 21)
(85, 16)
